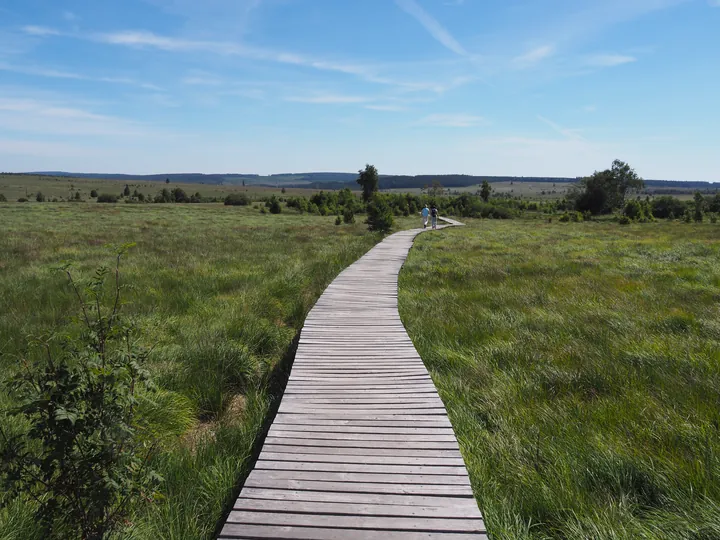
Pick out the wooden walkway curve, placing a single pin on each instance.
(361, 447)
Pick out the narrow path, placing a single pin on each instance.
(361, 447)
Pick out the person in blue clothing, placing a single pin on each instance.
(434, 215)
(425, 214)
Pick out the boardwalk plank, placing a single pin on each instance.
(361, 447)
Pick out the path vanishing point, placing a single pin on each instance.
(361, 447)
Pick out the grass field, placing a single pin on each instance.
(580, 365)
(220, 292)
(15, 186)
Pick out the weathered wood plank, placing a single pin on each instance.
(361, 447)
(233, 531)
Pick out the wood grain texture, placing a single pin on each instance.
(361, 447)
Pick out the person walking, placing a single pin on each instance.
(434, 215)
(425, 214)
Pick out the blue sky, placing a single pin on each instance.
(488, 87)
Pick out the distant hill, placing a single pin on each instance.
(339, 180)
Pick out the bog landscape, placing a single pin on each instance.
(370, 270)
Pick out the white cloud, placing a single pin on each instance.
(534, 56)
(26, 115)
(436, 30)
(329, 99)
(609, 60)
(453, 120)
(69, 16)
(572, 134)
(40, 31)
(386, 108)
(39, 71)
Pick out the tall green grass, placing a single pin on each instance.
(220, 292)
(580, 366)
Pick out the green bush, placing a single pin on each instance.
(338, 220)
(667, 207)
(379, 215)
(624, 220)
(713, 218)
(22, 199)
(275, 207)
(107, 198)
(94, 193)
(237, 199)
(3, 198)
(80, 460)
(40, 197)
(263, 210)
(348, 215)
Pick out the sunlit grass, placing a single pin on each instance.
(220, 293)
(580, 365)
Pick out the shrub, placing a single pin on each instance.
(667, 207)
(348, 215)
(565, 218)
(237, 199)
(275, 207)
(338, 220)
(624, 220)
(94, 193)
(179, 196)
(3, 198)
(107, 198)
(263, 210)
(713, 218)
(40, 197)
(379, 215)
(22, 199)
(81, 460)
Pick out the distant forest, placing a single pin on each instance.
(330, 180)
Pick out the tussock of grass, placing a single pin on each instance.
(220, 292)
(580, 366)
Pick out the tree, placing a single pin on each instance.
(369, 182)
(40, 197)
(3, 198)
(94, 193)
(167, 180)
(379, 215)
(605, 191)
(126, 191)
(77, 196)
(699, 202)
(485, 191)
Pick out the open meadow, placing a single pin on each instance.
(220, 294)
(16, 186)
(580, 366)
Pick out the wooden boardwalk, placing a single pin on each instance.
(361, 447)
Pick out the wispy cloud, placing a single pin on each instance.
(329, 99)
(369, 73)
(453, 120)
(38, 71)
(609, 60)
(534, 56)
(26, 115)
(386, 108)
(70, 16)
(40, 31)
(436, 30)
(572, 134)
